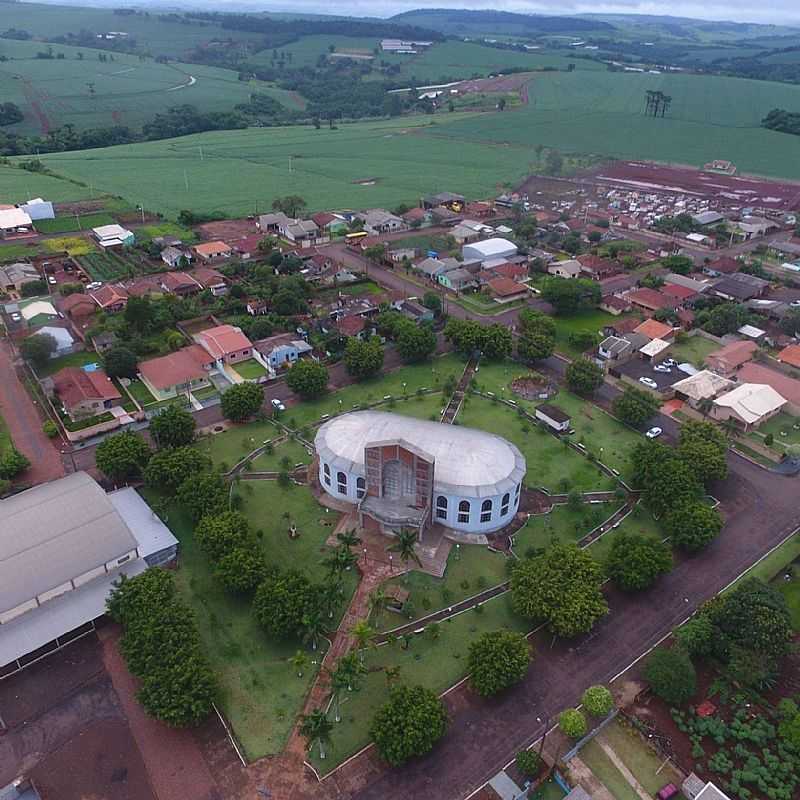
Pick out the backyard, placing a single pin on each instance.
(79, 359)
(693, 349)
(250, 370)
(784, 430)
(591, 321)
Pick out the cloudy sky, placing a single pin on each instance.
(779, 12)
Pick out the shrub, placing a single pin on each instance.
(497, 660)
(572, 723)
(671, 675)
(50, 429)
(528, 763)
(598, 701)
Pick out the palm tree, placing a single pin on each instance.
(377, 602)
(352, 669)
(316, 727)
(312, 626)
(705, 405)
(329, 596)
(341, 680)
(404, 546)
(362, 632)
(299, 661)
(348, 538)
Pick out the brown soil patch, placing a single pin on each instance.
(534, 388)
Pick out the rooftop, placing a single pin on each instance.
(468, 461)
(223, 340)
(55, 532)
(182, 366)
(790, 355)
(751, 401)
(783, 384)
(505, 287)
(211, 248)
(75, 386)
(703, 385)
(654, 329)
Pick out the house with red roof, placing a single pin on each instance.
(210, 279)
(177, 373)
(247, 247)
(650, 300)
(679, 293)
(212, 251)
(596, 268)
(79, 309)
(226, 344)
(85, 394)
(110, 297)
(515, 272)
(351, 325)
(615, 305)
(506, 290)
(181, 284)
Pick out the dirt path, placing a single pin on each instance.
(25, 425)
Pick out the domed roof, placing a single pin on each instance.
(467, 461)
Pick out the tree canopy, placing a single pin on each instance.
(202, 494)
(415, 342)
(635, 562)
(38, 348)
(242, 401)
(172, 427)
(363, 358)
(120, 362)
(584, 376)
(692, 525)
(560, 587)
(598, 701)
(168, 469)
(494, 341)
(671, 675)
(122, 456)
(497, 660)
(308, 379)
(703, 447)
(572, 723)
(635, 407)
(409, 724)
(569, 296)
(282, 601)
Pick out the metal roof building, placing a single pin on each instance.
(490, 248)
(464, 479)
(62, 544)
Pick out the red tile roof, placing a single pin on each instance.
(678, 292)
(247, 244)
(790, 355)
(182, 366)
(725, 265)
(414, 214)
(78, 305)
(209, 249)
(75, 386)
(109, 295)
(733, 355)
(322, 218)
(351, 326)
(173, 281)
(786, 387)
(206, 277)
(514, 271)
(223, 340)
(505, 287)
(653, 329)
(620, 303)
(650, 298)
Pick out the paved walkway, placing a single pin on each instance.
(25, 425)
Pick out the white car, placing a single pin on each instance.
(669, 362)
(661, 368)
(93, 285)
(648, 382)
(278, 405)
(654, 433)
(51, 280)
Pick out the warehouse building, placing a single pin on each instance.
(407, 473)
(489, 250)
(62, 546)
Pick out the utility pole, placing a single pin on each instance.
(186, 180)
(201, 152)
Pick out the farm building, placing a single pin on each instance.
(64, 544)
(109, 236)
(14, 221)
(402, 472)
(38, 209)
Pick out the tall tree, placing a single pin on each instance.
(363, 358)
(497, 660)
(122, 456)
(316, 728)
(172, 427)
(404, 545)
(308, 379)
(584, 376)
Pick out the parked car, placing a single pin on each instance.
(94, 285)
(51, 280)
(654, 433)
(648, 382)
(670, 362)
(278, 405)
(662, 368)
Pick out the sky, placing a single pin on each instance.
(778, 12)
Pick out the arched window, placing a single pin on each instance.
(463, 511)
(441, 507)
(341, 482)
(486, 511)
(326, 473)
(504, 504)
(361, 487)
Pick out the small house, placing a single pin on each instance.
(63, 339)
(283, 349)
(458, 280)
(211, 251)
(180, 284)
(110, 297)
(14, 222)
(111, 236)
(553, 417)
(175, 257)
(565, 269)
(85, 394)
(15, 276)
(226, 344)
(176, 373)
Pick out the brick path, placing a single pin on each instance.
(25, 425)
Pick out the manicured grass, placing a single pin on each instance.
(250, 369)
(424, 242)
(148, 232)
(640, 522)
(16, 252)
(562, 524)
(694, 349)
(363, 287)
(141, 393)
(204, 392)
(430, 374)
(67, 224)
(549, 790)
(791, 592)
(436, 664)
(643, 762)
(550, 463)
(785, 431)
(78, 359)
(774, 563)
(5, 437)
(295, 452)
(594, 757)
(470, 570)
(232, 445)
(260, 693)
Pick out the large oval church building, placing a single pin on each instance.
(403, 472)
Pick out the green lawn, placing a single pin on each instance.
(791, 591)
(67, 224)
(582, 321)
(232, 445)
(250, 369)
(436, 664)
(16, 252)
(5, 437)
(430, 374)
(147, 233)
(141, 393)
(785, 431)
(549, 790)
(603, 768)
(550, 463)
(774, 563)
(78, 359)
(260, 693)
(470, 570)
(295, 452)
(694, 349)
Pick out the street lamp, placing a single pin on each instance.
(458, 551)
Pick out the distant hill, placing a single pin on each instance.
(463, 22)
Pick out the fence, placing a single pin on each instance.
(589, 736)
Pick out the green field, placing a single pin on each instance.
(105, 266)
(242, 170)
(67, 224)
(19, 185)
(601, 112)
(84, 92)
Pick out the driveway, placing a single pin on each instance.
(24, 423)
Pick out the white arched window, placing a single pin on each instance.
(486, 511)
(326, 474)
(361, 487)
(504, 504)
(463, 511)
(341, 482)
(441, 507)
